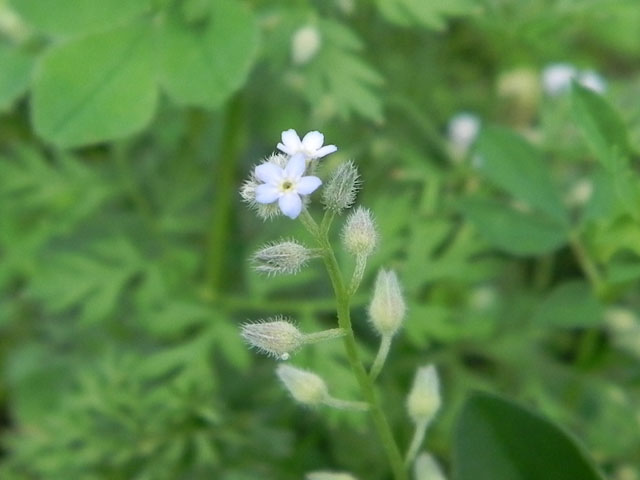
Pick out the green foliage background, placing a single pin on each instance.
(126, 128)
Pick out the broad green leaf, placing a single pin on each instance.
(495, 439)
(70, 17)
(16, 73)
(96, 88)
(513, 164)
(571, 304)
(430, 14)
(513, 231)
(203, 66)
(602, 127)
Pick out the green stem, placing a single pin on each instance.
(346, 404)
(358, 273)
(416, 442)
(381, 357)
(588, 266)
(223, 196)
(324, 335)
(365, 383)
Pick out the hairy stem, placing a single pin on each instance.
(381, 357)
(366, 384)
(416, 441)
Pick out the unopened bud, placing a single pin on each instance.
(340, 191)
(424, 400)
(286, 257)
(305, 44)
(305, 387)
(359, 234)
(387, 308)
(426, 468)
(329, 476)
(277, 337)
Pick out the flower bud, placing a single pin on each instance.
(329, 476)
(340, 191)
(424, 400)
(286, 257)
(387, 308)
(278, 337)
(426, 468)
(359, 234)
(305, 43)
(305, 387)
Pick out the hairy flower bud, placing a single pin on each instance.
(340, 191)
(285, 257)
(423, 401)
(305, 387)
(329, 476)
(387, 308)
(426, 468)
(278, 337)
(359, 234)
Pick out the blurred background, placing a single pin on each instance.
(497, 141)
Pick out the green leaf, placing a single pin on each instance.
(513, 231)
(602, 127)
(495, 439)
(16, 73)
(65, 18)
(96, 88)
(430, 14)
(203, 66)
(511, 163)
(571, 304)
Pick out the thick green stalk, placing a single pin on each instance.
(365, 383)
(223, 195)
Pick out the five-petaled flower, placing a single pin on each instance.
(310, 145)
(285, 184)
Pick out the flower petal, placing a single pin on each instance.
(296, 166)
(306, 185)
(266, 193)
(290, 204)
(285, 149)
(312, 141)
(291, 139)
(267, 172)
(326, 150)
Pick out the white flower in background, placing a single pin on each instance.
(557, 77)
(305, 43)
(462, 131)
(593, 81)
(310, 145)
(426, 468)
(285, 185)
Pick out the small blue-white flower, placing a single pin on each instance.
(285, 185)
(310, 145)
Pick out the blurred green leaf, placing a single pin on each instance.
(514, 231)
(602, 127)
(65, 18)
(513, 164)
(96, 88)
(16, 74)
(495, 439)
(204, 65)
(430, 14)
(571, 304)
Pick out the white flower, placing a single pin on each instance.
(310, 145)
(557, 77)
(285, 184)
